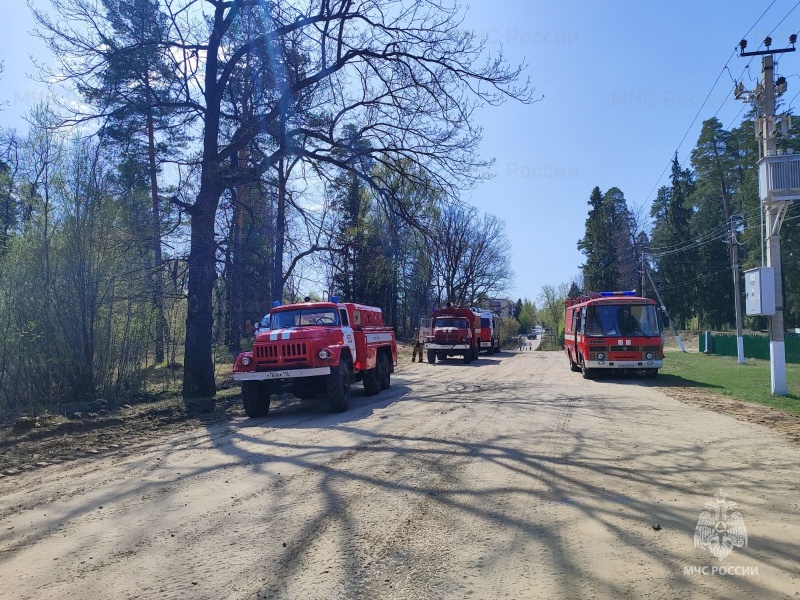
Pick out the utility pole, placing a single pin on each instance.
(644, 274)
(734, 253)
(774, 200)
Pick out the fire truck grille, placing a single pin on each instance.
(272, 354)
(447, 338)
(293, 352)
(651, 348)
(625, 349)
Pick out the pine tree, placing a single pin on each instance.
(670, 242)
(713, 289)
(597, 245)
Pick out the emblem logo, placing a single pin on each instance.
(720, 530)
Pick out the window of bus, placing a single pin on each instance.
(634, 320)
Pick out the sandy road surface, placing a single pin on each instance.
(507, 478)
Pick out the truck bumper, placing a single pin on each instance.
(447, 347)
(624, 364)
(281, 374)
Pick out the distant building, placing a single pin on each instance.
(502, 306)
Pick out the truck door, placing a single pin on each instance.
(425, 328)
(347, 333)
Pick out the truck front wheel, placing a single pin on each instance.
(255, 398)
(432, 356)
(338, 387)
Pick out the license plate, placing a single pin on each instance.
(276, 374)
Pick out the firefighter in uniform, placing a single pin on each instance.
(417, 345)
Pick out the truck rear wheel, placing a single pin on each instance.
(338, 387)
(384, 371)
(432, 356)
(255, 398)
(371, 380)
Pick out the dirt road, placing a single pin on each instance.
(508, 478)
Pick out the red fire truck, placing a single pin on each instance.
(316, 347)
(490, 330)
(456, 332)
(612, 330)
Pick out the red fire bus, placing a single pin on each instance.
(612, 330)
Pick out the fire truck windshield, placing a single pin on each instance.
(634, 320)
(302, 317)
(451, 322)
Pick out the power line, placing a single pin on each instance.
(716, 81)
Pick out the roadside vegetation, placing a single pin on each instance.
(723, 375)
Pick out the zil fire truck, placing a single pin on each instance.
(456, 332)
(490, 330)
(316, 348)
(612, 331)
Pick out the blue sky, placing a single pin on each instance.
(622, 81)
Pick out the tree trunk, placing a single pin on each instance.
(280, 234)
(236, 254)
(158, 287)
(198, 372)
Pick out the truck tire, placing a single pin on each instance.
(467, 357)
(572, 365)
(651, 373)
(338, 387)
(442, 355)
(384, 371)
(255, 398)
(587, 373)
(371, 379)
(432, 356)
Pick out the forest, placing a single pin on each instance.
(684, 241)
(209, 157)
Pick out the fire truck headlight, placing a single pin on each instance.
(648, 356)
(324, 354)
(246, 360)
(601, 356)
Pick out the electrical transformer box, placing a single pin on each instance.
(759, 286)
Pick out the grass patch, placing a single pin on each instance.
(722, 374)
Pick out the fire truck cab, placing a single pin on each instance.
(612, 331)
(316, 347)
(456, 332)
